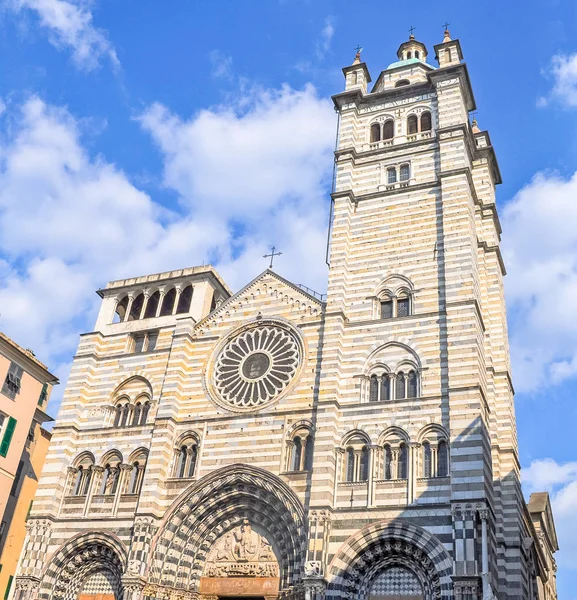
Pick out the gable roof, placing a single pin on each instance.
(266, 273)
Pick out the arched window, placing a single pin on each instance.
(297, 454)
(125, 415)
(412, 124)
(186, 460)
(301, 451)
(400, 386)
(136, 308)
(385, 388)
(426, 124)
(388, 462)
(426, 459)
(135, 479)
(181, 462)
(409, 55)
(192, 456)
(417, 54)
(403, 461)
(350, 464)
(402, 82)
(391, 175)
(120, 312)
(82, 481)
(412, 385)
(110, 480)
(364, 464)
(168, 303)
(375, 132)
(403, 306)
(389, 130)
(184, 300)
(152, 306)
(442, 459)
(374, 389)
(144, 413)
(136, 414)
(387, 308)
(118, 415)
(405, 172)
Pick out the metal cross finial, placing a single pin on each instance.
(447, 25)
(272, 255)
(411, 30)
(359, 49)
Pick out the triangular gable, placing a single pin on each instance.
(307, 302)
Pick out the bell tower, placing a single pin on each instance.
(416, 322)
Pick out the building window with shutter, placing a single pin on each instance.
(13, 381)
(43, 395)
(7, 433)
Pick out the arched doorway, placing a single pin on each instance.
(396, 583)
(88, 567)
(391, 561)
(238, 532)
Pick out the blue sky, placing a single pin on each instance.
(136, 138)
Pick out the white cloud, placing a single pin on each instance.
(222, 65)
(69, 222)
(560, 480)
(70, 25)
(262, 164)
(540, 251)
(563, 71)
(324, 43)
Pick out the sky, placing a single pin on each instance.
(138, 136)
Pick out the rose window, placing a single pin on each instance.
(256, 366)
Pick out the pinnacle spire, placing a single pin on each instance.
(447, 36)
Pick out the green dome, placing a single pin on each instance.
(409, 61)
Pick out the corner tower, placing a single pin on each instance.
(416, 338)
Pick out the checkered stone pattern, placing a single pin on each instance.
(465, 539)
(100, 583)
(396, 581)
(39, 532)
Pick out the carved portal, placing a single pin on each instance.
(242, 562)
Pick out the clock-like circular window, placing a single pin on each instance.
(256, 366)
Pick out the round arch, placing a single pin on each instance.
(390, 544)
(78, 559)
(215, 505)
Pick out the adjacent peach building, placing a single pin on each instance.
(25, 388)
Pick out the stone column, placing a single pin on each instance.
(144, 304)
(289, 457)
(371, 491)
(412, 471)
(123, 478)
(95, 480)
(339, 453)
(128, 307)
(483, 512)
(161, 295)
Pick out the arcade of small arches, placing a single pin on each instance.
(390, 459)
(127, 413)
(244, 523)
(385, 131)
(111, 477)
(148, 304)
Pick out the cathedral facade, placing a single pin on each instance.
(276, 443)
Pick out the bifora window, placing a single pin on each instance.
(256, 366)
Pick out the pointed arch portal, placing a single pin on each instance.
(240, 531)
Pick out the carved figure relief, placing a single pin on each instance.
(242, 552)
